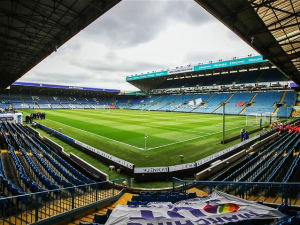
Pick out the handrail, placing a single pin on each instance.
(284, 191)
(32, 207)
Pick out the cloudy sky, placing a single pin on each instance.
(138, 36)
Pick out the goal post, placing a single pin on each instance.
(253, 119)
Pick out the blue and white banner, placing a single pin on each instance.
(206, 66)
(181, 70)
(12, 117)
(218, 208)
(105, 155)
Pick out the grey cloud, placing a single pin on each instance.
(114, 63)
(55, 78)
(97, 79)
(200, 57)
(132, 23)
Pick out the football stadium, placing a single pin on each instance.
(215, 142)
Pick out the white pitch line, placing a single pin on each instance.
(177, 142)
(98, 135)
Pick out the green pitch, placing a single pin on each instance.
(122, 133)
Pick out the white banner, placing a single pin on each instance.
(218, 208)
(198, 101)
(151, 170)
(181, 70)
(12, 117)
(218, 154)
(106, 155)
(182, 167)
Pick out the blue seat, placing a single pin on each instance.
(25, 199)
(108, 212)
(295, 220)
(162, 198)
(143, 203)
(136, 198)
(181, 196)
(246, 222)
(172, 198)
(100, 219)
(147, 198)
(153, 196)
(192, 195)
(2, 202)
(88, 223)
(134, 203)
(284, 218)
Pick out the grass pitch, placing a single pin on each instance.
(122, 133)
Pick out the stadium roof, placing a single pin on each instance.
(32, 30)
(271, 27)
(148, 81)
(24, 86)
(212, 66)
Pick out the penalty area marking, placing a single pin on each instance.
(97, 135)
(190, 139)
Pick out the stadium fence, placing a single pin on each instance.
(37, 207)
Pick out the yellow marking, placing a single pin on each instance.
(198, 192)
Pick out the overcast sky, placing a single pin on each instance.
(138, 36)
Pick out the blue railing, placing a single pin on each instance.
(268, 192)
(30, 208)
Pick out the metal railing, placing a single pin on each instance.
(30, 208)
(268, 192)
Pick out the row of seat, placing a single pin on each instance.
(275, 159)
(61, 161)
(292, 169)
(58, 167)
(252, 167)
(31, 185)
(13, 189)
(57, 178)
(290, 151)
(263, 102)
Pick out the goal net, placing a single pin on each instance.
(266, 118)
(253, 119)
